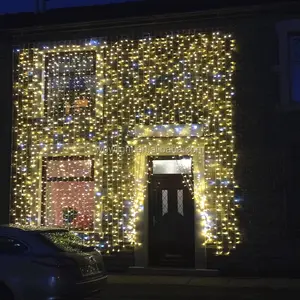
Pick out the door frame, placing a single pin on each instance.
(161, 147)
(150, 194)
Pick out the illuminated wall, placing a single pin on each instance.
(75, 102)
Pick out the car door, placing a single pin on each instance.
(15, 266)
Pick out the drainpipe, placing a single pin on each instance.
(44, 5)
(37, 6)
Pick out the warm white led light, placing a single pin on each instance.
(88, 99)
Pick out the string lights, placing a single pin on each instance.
(77, 105)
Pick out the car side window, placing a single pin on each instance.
(11, 246)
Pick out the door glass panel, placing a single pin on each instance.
(180, 201)
(172, 166)
(164, 195)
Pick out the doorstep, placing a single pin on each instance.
(118, 262)
(173, 272)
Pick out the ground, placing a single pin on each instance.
(156, 292)
(175, 291)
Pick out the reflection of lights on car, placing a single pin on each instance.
(66, 253)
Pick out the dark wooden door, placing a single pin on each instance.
(171, 222)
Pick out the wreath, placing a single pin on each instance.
(69, 215)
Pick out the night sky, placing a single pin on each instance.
(13, 6)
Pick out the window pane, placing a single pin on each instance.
(164, 196)
(70, 85)
(70, 62)
(69, 168)
(71, 204)
(295, 68)
(180, 201)
(168, 130)
(174, 166)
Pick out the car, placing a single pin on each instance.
(47, 264)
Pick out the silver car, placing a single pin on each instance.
(47, 264)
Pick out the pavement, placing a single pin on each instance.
(124, 287)
(217, 282)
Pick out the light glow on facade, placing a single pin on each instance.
(73, 98)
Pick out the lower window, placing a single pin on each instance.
(68, 198)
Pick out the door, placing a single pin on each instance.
(171, 222)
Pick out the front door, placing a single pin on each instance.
(171, 222)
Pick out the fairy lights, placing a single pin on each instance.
(78, 103)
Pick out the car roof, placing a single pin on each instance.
(29, 228)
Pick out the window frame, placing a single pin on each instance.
(64, 158)
(151, 158)
(285, 30)
(46, 180)
(48, 76)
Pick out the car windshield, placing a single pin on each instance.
(66, 241)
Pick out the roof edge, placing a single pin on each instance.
(157, 18)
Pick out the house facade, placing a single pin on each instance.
(127, 131)
(120, 139)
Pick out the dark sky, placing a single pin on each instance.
(12, 6)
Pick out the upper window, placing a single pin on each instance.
(11, 246)
(294, 67)
(70, 85)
